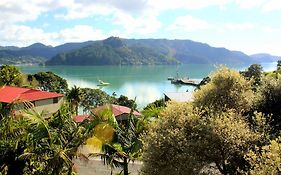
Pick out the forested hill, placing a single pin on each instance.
(113, 51)
(35, 53)
(116, 51)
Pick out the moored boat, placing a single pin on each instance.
(102, 83)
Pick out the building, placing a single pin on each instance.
(50, 102)
(179, 96)
(120, 112)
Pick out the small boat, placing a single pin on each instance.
(102, 83)
(170, 78)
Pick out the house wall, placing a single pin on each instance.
(47, 105)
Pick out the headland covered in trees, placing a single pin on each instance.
(231, 127)
(119, 51)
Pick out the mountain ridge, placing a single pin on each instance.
(158, 51)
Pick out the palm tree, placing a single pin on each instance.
(75, 96)
(125, 146)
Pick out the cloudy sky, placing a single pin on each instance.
(251, 26)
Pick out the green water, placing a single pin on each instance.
(145, 83)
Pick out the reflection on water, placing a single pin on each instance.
(145, 83)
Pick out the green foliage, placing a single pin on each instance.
(48, 81)
(185, 141)
(75, 96)
(253, 72)
(125, 101)
(93, 98)
(126, 145)
(278, 65)
(154, 109)
(268, 101)
(112, 51)
(10, 76)
(33, 144)
(204, 81)
(266, 160)
(226, 90)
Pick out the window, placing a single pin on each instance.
(55, 100)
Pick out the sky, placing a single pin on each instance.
(250, 26)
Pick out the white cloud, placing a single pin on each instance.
(80, 33)
(161, 5)
(248, 4)
(189, 23)
(270, 29)
(15, 11)
(272, 5)
(21, 35)
(239, 26)
(139, 25)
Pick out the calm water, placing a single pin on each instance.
(145, 83)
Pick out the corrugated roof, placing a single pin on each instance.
(180, 96)
(117, 110)
(9, 94)
(80, 118)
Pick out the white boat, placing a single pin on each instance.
(102, 83)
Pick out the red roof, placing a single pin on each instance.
(80, 118)
(117, 110)
(9, 94)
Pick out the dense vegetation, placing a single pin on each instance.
(128, 51)
(112, 51)
(231, 127)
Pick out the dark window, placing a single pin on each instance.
(55, 100)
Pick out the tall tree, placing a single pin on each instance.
(186, 141)
(75, 96)
(10, 75)
(49, 81)
(254, 72)
(268, 101)
(227, 89)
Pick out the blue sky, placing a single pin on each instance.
(251, 26)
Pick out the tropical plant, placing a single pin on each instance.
(119, 143)
(75, 96)
(35, 143)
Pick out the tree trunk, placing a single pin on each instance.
(125, 168)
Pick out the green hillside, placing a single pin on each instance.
(112, 51)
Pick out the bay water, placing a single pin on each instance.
(143, 83)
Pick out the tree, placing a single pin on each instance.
(93, 98)
(186, 141)
(126, 146)
(278, 65)
(266, 160)
(268, 101)
(226, 90)
(33, 144)
(48, 81)
(10, 76)
(75, 95)
(253, 72)
(125, 101)
(120, 142)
